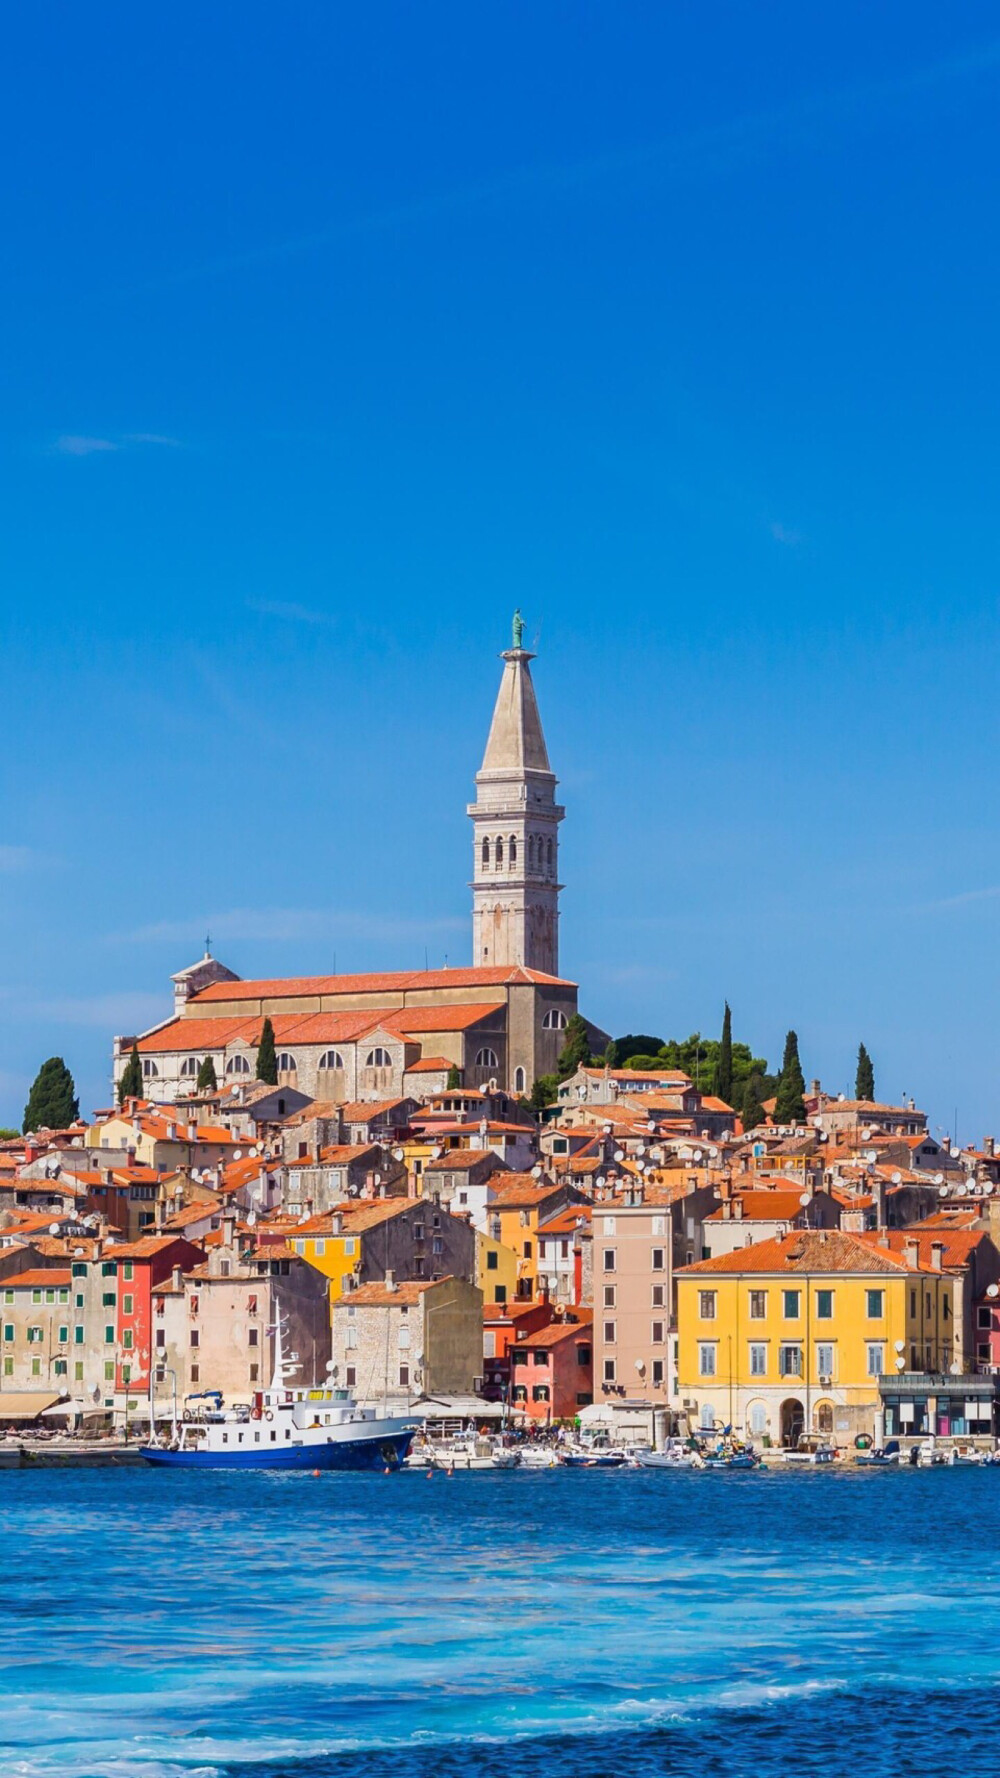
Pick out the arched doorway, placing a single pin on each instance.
(792, 1422)
(823, 1419)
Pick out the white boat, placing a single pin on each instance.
(671, 1457)
(538, 1457)
(811, 1450)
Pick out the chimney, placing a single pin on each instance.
(192, 1134)
(229, 1228)
(937, 1256)
(814, 1089)
(989, 1146)
(911, 1250)
(177, 1277)
(171, 1132)
(738, 1209)
(390, 1280)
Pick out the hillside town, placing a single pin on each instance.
(454, 1196)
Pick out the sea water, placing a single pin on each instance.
(166, 1624)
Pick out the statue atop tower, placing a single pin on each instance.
(515, 820)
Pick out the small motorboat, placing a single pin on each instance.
(581, 1457)
(926, 1455)
(673, 1456)
(731, 1460)
(811, 1449)
(538, 1457)
(505, 1457)
(886, 1458)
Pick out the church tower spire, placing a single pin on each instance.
(515, 822)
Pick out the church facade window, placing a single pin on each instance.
(486, 854)
(512, 850)
(498, 853)
(378, 1058)
(331, 1059)
(287, 1063)
(554, 1020)
(487, 1058)
(520, 1080)
(189, 1066)
(237, 1065)
(149, 1069)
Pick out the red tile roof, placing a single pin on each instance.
(825, 1250)
(57, 1275)
(416, 981)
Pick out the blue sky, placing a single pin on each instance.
(331, 334)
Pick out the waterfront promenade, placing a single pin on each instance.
(164, 1626)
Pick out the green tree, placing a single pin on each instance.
(130, 1085)
(611, 1055)
(52, 1102)
(575, 1052)
(790, 1105)
(724, 1063)
(635, 1045)
(7, 1135)
(454, 1080)
(544, 1092)
(207, 1082)
(864, 1080)
(267, 1061)
(753, 1103)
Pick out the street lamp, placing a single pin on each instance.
(126, 1355)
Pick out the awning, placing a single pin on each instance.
(25, 1405)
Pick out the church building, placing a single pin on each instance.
(351, 1037)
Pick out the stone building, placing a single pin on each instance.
(394, 1341)
(368, 1037)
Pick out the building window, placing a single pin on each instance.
(540, 1392)
(351, 1376)
(790, 1360)
(824, 1305)
(64, 1336)
(758, 1359)
(608, 1225)
(253, 1336)
(189, 1066)
(706, 1358)
(824, 1360)
(287, 1063)
(875, 1304)
(657, 1296)
(492, 1260)
(498, 853)
(758, 1305)
(378, 1058)
(706, 1305)
(404, 1376)
(485, 854)
(512, 851)
(195, 1373)
(875, 1353)
(609, 1259)
(126, 1305)
(609, 1333)
(790, 1304)
(8, 1332)
(554, 1020)
(609, 1370)
(237, 1065)
(657, 1373)
(195, 1337)
(149, 1069)
(127, 1271)
(109, 1336)
(109, 1373)
(656, 1333)
(487, 1058)
(657, 1259)
(609, 1296)
(757, 1418)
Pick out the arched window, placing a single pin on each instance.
(498, 853)
(378, 1058)
(519, 1080)
(554, 1020)
(486, 854)
(331, 1059)
(237, 1065)
(548, 855)
(757, 1418)
(512, 850)
(149, 1069)
(531, 851)
(190, 1065)
(286, 1063)
(487, 1059)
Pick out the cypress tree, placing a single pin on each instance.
(52, 1102)
(544, 1092)
(130, 1085)
(724, 1066)
(207, 1082)
(864, 1081)
(267, 1060)
(790, 1105)
(454, 1080)
(576, 1050)
(753, 1103)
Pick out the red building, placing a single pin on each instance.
(139, 1266)
(552, 1369)
(503, 1325)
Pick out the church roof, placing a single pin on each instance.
(315, 1027)
(400, 982)
(516, 742)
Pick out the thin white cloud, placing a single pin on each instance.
(782, 534)
(77, 444)
(13, 858)
(290, 612)
(966, 897)
(281, 925)
(152, 438)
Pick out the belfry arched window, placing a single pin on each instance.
(378, 1058)
(531, 851)
(331, 1059)
(287, 1063)
(512, 850)
(486, 854)
(498, 853)
(237, 1065)
(519, 1080)
(487, 1059)
(548, 858)
(554, 1020)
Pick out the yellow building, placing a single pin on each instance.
(518, 1202)
(793, 1334)
(496, 1270)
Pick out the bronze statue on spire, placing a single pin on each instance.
(517, 631)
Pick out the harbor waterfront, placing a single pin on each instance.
(170, 1624)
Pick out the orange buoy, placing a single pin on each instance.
(315, 1472)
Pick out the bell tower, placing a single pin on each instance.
(515, 824)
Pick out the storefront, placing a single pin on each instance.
(920, 1405)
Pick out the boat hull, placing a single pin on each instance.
(387, 1451)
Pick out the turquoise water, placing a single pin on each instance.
(164, 1625)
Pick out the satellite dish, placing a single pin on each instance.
(804, 1198)
(841, 1097)
(713, 1153)
(600, 1182)
(993, 1290)
(901, 1364)
(697, 1154)
(640, 1166)
(939, 1179)
(651, 1124)
(987, 1188)
(897, 1178)
(866, 1135)
(397, 1154)
(251, 1218)
(900, 1345)
(942, 1191)
(237, 1154)
(619, 1154)
(640, 1365)
(536, 1172)
(53, 1228)
(253, 1153)
(607, 1129)
(955, 1368)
